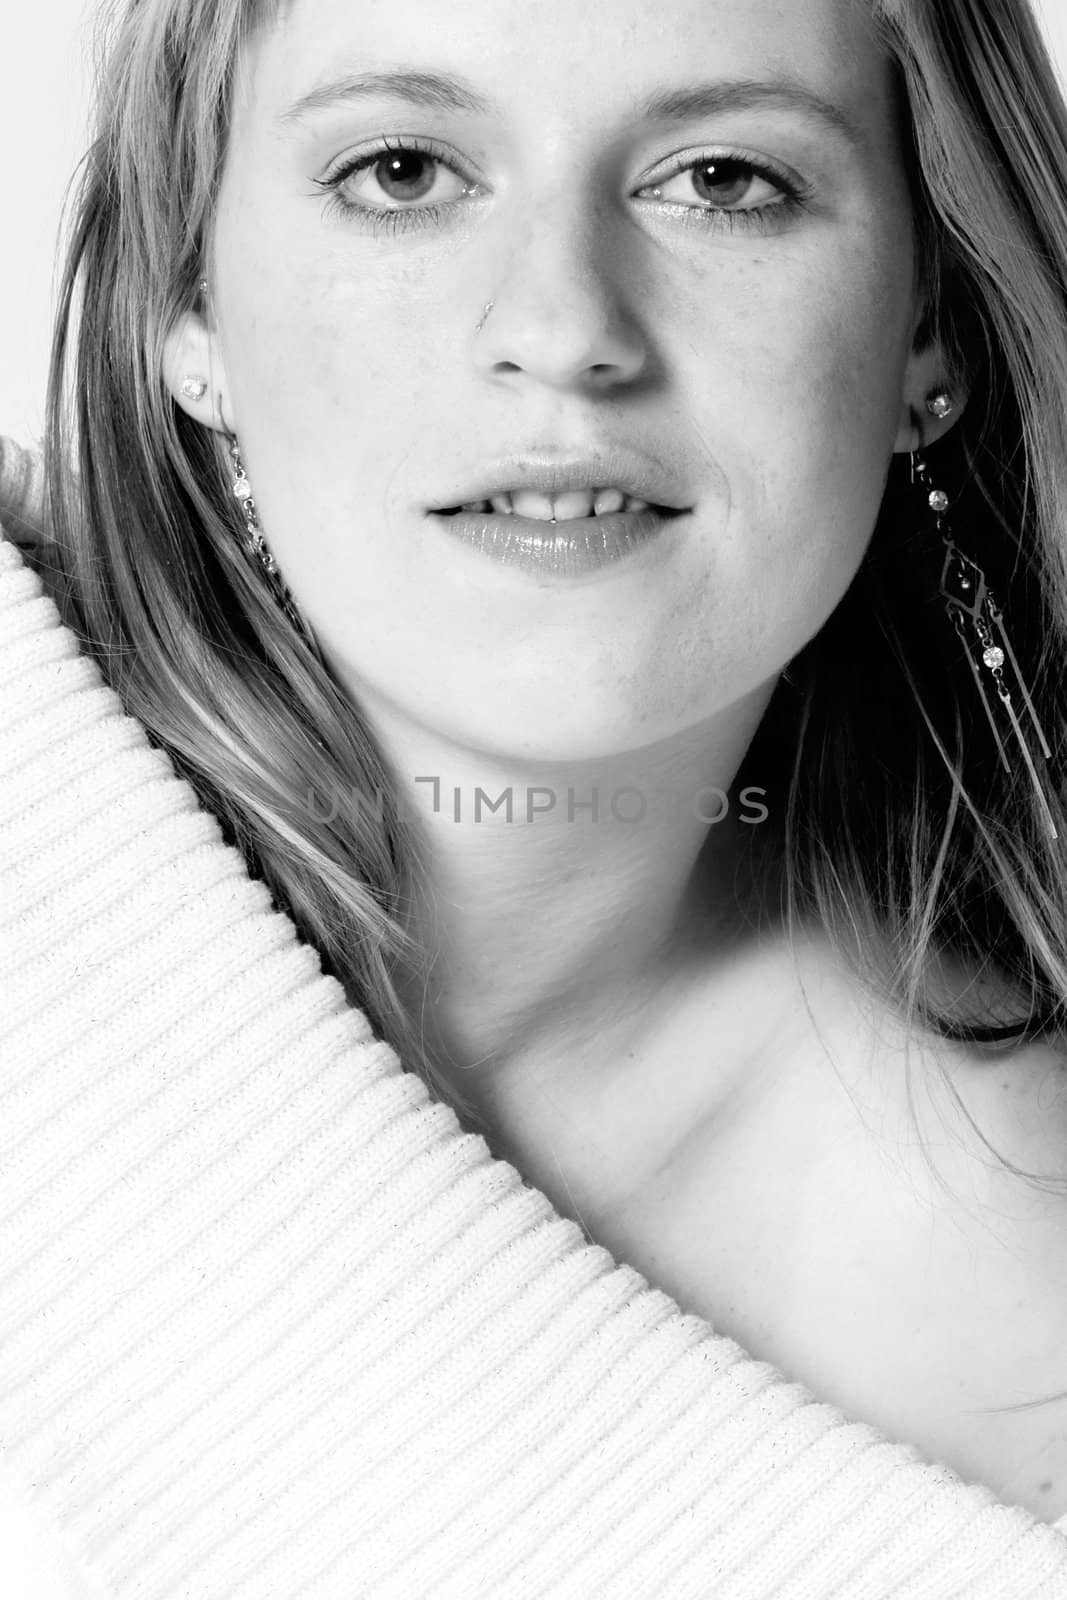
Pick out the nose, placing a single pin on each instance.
(558, 316)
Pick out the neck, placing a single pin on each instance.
(557, 930)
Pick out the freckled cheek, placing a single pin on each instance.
(831, 353)
(820, 390)
(302, 362)
(799, 407)
(305, 336)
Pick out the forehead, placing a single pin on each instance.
(527, 58)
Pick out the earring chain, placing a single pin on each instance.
(254, 540)
(969, 599)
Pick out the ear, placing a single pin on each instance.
(194, 371)
(928, 374)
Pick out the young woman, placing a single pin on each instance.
(584, 510)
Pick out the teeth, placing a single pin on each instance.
(561, 507)
(614, 500)
(532, 503)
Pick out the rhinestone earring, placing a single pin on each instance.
(940, 405)
(194, 388)
(254, 540)
(971, 604)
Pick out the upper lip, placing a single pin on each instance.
(635, 474)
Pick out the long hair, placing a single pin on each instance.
(904, 835)
(146, 561)
(901, 833)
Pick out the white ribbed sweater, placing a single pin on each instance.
(273, 1327)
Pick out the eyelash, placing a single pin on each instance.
(379, 219)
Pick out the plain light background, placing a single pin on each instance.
(44, 91)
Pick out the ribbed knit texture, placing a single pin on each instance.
(273, 1327)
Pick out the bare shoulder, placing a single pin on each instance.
(959, 1184)
(856, 1207)
(999, 1183)
(887, 1223)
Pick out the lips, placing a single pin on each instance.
(547, 475)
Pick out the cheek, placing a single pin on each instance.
(324, 393)
(307, 353)
(818, 372)
(309, 335)
(799, 409)
(816, 349)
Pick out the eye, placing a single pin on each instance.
(730, 183)
(404, 172)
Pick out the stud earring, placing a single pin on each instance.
(194, 388)
(254, 540)
(940, 405)
(972, 607)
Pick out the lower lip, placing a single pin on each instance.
(558, 549)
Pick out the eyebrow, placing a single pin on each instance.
(444, 92)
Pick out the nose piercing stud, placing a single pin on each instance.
(194, 388)
(940, 405)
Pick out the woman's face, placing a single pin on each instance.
(748, 329)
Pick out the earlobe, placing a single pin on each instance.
(194, 373)
(929, 414)
(934, 396)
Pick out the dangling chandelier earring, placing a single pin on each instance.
(254, 540)
(971, 604)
